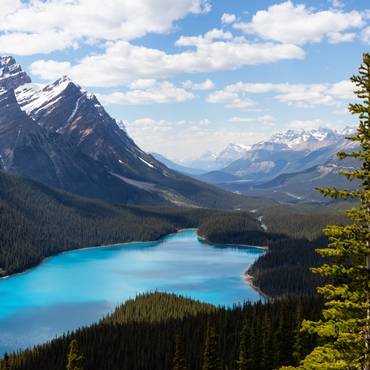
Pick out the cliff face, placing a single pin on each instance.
(11, 74)
(61, 135)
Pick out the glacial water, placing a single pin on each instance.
(78, 288)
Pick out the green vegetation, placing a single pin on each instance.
(74, 359)
(293, 233)
(166, 331)
(37, 221)
(345, 327)
(141, 334)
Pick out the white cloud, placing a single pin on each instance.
(337, 37)
(123, 63)
(231, 100)
(228, 18)
(296, 24)
(299, 95)
(310, 124)
(44, 26)
(341, 111)
(241, 119)
(265, 118)
(336, 3)
(365, 35)
(218, 34)
(153, 136)
(147, 92)
(206, 85)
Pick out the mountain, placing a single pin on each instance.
(177, 167)
(61, 135)
(292, 151)
(214, 161)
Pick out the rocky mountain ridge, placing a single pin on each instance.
(294, 140)
(61, 135)
(211, 161)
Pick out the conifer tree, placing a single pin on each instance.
(179, 359)
(300, 337)
(283, 344)
(5, 365)
(211, 360)
(267, 343)
(346, 317)
(74, 359)
(243, 362)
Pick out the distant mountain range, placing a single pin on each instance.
(61, 135)
(286, 167)
(293, 151)
(214, 161)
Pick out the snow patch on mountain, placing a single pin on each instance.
(214, 161)
(296, 137)
(121, 125)
(34, 97)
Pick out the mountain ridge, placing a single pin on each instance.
(61, 135)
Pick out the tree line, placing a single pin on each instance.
(162, 331)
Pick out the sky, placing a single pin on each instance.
(191, 76)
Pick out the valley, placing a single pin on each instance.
(72, 180)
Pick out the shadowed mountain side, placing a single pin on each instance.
(61, 135)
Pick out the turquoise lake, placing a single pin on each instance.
(78, 288)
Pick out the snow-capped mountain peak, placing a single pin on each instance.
(296, 137)
(11, 74)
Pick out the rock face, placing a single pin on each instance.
(292, 151)
(11, 74)
(61, 135)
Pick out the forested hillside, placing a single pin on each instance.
(292, 235)
(37, 221)
(141, 334)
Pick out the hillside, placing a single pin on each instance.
(37, 221)
(141, 334)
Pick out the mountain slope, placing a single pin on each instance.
(290, 152)
(61, 135)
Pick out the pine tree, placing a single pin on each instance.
(346, 317)
(5, 365)
(244, 361)
(74, 359)
(300, 344)
(179, 359)
(283, 344)
(210, 354)
(267, 343)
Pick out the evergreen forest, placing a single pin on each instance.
(158, 330)
(163, 331)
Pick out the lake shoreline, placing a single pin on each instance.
(248, 279)
(93, 247)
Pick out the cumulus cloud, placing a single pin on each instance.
(341, 111)
(228, 18)
(229, 99)
(147, 92)
(365, 35)
(299, 95)
(310, 124)
(123, 63)
(206, 85)
(336, 3)
(297, 24)
(241, 119)
(337, 37)
(44, 26)
(153, 136)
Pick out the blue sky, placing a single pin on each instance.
(188, 76)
